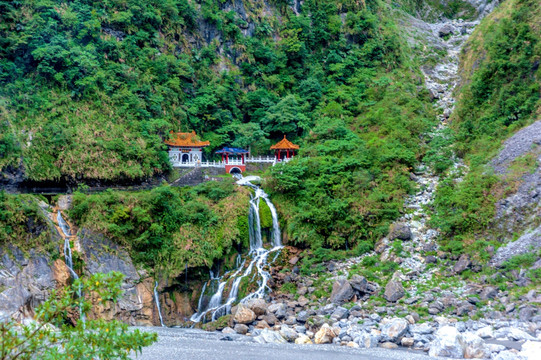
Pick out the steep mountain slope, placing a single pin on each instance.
(500, 93)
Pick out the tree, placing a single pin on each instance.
(285, 117)
(51, 337)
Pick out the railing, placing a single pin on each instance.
(261, 159)
(220, 164)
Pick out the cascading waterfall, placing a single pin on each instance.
(157, 300)
(259, 255)
(66, 230)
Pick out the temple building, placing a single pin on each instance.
(284, 150)
(234, 159)
(185, 148)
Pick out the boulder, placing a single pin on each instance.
(462, 264)
(388, 345)
(288, 333)
(262, 325)
(512, 333)
(400, 231)
(531, 350)
(407, 341)
(340, 313)
(342, 291)
(241, 329)
(269, 337)
(446, 30)
(394, 291)
(359, 283)
(485, 332)
(474, 347)
(302, 316)
(325, 335)
(508, 355)
(228, 330)
(448, 342)
(303, 339)
(488, 292)
(258, 306)
(279, 310)
(394, 329)
(244, 315)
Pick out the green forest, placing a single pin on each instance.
(89, 91)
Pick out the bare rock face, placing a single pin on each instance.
(137, 305)
(325, 335)
(529, 242)
(394, 291)
(25, 282)
(244, 315)
(342, 291)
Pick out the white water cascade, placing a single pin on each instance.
(257, 259)
(66, 230)
(157, 300)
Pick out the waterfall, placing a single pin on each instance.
(258, 256)
(66, 230)
(157, 300)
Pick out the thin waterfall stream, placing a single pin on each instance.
(66, 230)
(157, 300)
(220, 304)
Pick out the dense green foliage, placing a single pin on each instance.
(501, 95)
(90, 339)
(92, 88)
(22, 222)
(169, 227)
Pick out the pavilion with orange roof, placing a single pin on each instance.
(185, 148)
(284, 149)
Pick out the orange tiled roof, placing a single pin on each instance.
(186, 140)
(284, 144)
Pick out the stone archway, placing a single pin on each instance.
(185, 158)
(235, 170)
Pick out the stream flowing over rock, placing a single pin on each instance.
(258, 260)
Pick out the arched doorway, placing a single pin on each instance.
(235, 170)
(185, 158)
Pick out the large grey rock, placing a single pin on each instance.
(462, 264)
(446, 30)
(488, 292)
(288, 333)
(394, 291)
(400, 231)
(241, 329)
(258, 306)
(269, 337)
(448, 342)
(342, 291)
(512, 333)
(359, 283)
(394, 329)
(279, 310)
(340, 313)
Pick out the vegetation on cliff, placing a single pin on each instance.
(169, 228)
